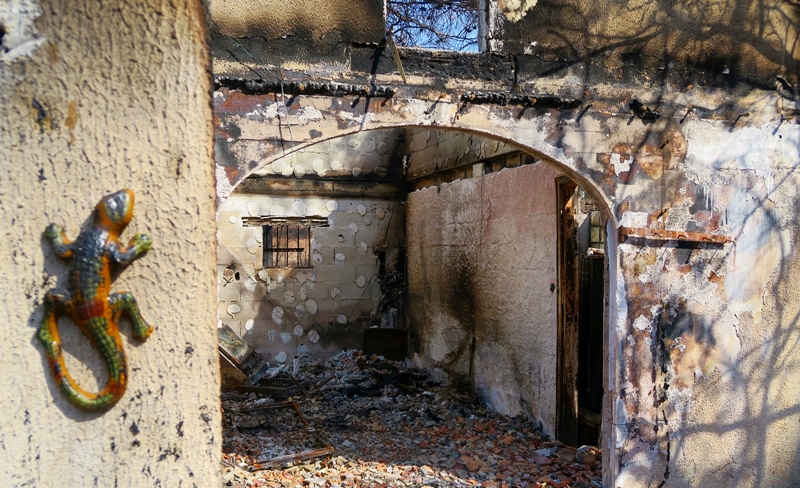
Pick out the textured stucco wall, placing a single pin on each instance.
(305, 31)
(481, 259)
(757, 39)
(97, 97)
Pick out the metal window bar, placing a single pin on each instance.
(277, 240)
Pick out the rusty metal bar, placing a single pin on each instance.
(300, 456)
(672, 235)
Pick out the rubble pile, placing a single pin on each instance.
(370, 422)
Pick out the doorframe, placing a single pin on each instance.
(567, 334)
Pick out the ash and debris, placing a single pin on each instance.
(371, 422)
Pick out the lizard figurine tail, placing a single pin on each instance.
(88, 301)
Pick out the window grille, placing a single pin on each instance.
(287, 246)
(286, 242)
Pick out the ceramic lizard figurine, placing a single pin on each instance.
(89, 302)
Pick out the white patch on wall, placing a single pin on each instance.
(250, 284)
(634, 219)
(20, 38)
(288, 296)
(298, 330)
(620, 165)
(341, 318)
(280, 166)
(264, 275)
(353, 228)
(337, 165)
(382, 148)
(252, 245)
(641, 323)
(224, 187)
(311, 306)
(319, 167)
(233, 309)
(361, 281)
(309, 114)
(249, 324)
(277, 315)
(254, 209)
(300, 276)
(281, 357)
(362, 248)
(233, 219)
(299, 171)
(356, 171)
(302, 294)
(332, 206)
(268, 112)
(313, 336)
(335, 292)
(300, 311)
(316, 258)
(271, 335)
(361, 209)
(299, 207)
(286, 337)
(380, 213)
(276, 210)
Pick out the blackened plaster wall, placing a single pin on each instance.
(699, 346)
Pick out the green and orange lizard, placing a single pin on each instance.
(89, 302)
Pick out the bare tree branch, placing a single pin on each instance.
(440, 24)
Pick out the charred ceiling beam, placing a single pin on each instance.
(502, 98)
(328, 189)
(332, 89)
(293, 88)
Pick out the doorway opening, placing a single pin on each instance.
(432, 304)
(582, 271)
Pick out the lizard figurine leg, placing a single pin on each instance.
(124, 302)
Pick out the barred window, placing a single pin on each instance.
(287, 246)
(286, 241)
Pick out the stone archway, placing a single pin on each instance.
(253, 134)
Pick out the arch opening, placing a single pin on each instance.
(455, 244)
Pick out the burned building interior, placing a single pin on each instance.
(414, 204)
(497, 243)
(462, 255)
(414, 245)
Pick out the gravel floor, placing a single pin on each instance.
(377, 423)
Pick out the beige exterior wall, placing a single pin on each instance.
(97, 97)
(482, 256)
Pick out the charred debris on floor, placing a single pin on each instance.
(358, 420)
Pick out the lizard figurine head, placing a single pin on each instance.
(115, 211)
